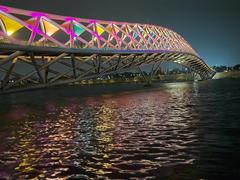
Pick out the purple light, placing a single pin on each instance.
(34, 28)
(70, 19)
(92, 20)
(37, 14)
(96, 35)
(68, 31)
(2, 8)
(30, 26)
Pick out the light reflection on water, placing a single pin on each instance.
(151, 133)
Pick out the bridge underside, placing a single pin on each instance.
(24, 68)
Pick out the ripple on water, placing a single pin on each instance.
(171, 132)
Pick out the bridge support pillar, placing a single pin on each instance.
(45, 70)
(73, 66)
(149, 77)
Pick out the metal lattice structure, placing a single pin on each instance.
(85, 48)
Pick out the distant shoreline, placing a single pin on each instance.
(227, 75)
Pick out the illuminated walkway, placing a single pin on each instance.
(41, 50)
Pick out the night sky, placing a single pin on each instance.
(212, 27)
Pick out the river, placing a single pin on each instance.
(171, 131)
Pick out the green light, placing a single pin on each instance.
(78, 30)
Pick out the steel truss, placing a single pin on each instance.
(45, 73)
(54, 50)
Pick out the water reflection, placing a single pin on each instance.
(152, 134)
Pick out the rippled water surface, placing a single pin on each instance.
(172, 131)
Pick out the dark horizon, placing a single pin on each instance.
(210, 27)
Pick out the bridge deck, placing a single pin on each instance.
(7, 49)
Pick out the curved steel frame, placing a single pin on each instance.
(101, 47)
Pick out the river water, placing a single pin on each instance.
(171, 131)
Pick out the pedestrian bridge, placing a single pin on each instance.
(40, 50)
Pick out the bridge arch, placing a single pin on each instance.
(87, 47)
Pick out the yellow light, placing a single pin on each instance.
(50, 29)
(49, 33)
(100, 30)
(9, 33)
(11, 25)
